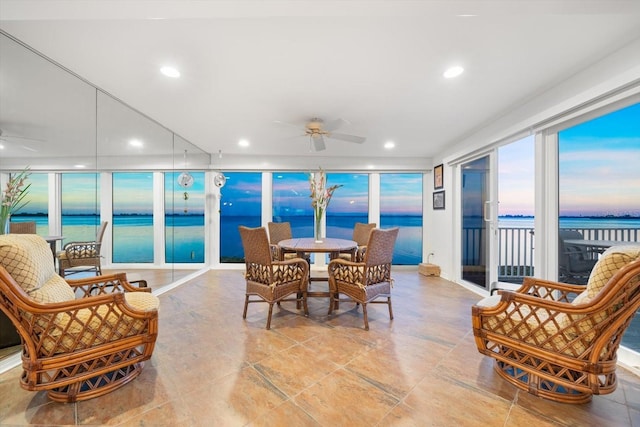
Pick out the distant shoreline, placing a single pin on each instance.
(576, 217)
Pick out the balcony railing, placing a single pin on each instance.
(515, 255)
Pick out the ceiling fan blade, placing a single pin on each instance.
(335, 124)
(344, 137)
(318, 142)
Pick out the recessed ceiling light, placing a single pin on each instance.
(243, 143)
(389, 145)
(170, 72)
(135, 143)
(1, 147)
(453, 72)
(79, 166)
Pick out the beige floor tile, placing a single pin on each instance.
(287, 414)
(445, 399)
(212, 367)
(294, 369)
(234, 400)
(344, 399)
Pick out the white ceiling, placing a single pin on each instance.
(377, 64)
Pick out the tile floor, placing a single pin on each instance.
(212, 368)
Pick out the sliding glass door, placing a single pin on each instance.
(478, 222)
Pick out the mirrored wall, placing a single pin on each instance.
(58, 124)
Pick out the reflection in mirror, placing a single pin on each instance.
(81, 142)
(47, 115)
(128, 140)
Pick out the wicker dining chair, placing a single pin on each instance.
(271, 281)
(81, 338)
(365, 281)
(77, 257)
(24, 227)
(279, 231)
(559, 341)
(360, 235)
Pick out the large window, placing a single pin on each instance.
(184, 219)
(80, 206)
(133, 217)
(240, 204)
(516, 210)
(37, 208)
(292, 202)
(401, 206)
(349, 204)
(598, 194)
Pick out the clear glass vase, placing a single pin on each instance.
(317, 229)
(4, 224)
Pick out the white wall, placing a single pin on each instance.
(608, 80)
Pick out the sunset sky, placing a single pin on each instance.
(599, 175)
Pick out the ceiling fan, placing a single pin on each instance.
(317, 131)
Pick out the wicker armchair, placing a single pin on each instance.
(25, 227)
(365, 281)
(77, 257)
(271, 281)
(82, 338)
(361, 237)
(559, 341)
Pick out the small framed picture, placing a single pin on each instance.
(438, 199)
(438, 181)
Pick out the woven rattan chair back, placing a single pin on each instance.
(380, 246)
(27, 227)
(279, 231)
(100, 232)
(361, 232)
(256, 245)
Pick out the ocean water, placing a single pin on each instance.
(575, 222)
(407, 251)
(133, 234)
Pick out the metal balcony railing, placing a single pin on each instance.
(515, 254)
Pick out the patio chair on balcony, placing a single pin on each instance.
(575, 261)
(81, 338)
(559, 341)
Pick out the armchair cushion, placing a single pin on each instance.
(612, 260)
(27, 260)
(54, 290)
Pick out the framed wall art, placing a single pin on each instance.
(438, 181)
(438, 199)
